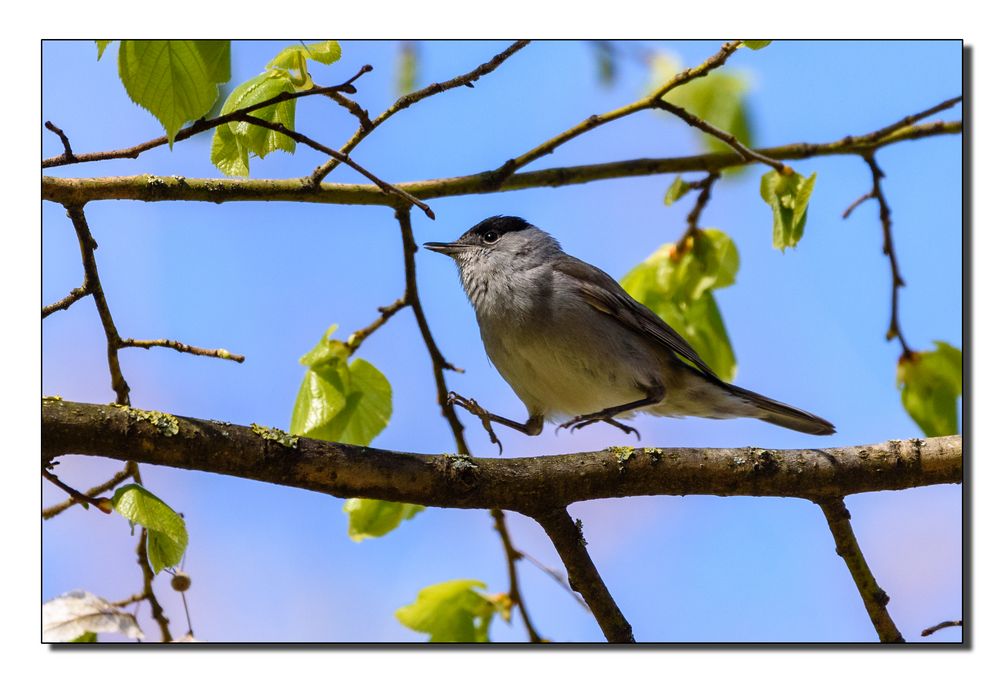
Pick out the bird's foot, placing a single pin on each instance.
(473, 407)
(589, 419)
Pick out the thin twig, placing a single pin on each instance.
(355, 109)
(501, 174)
(67, 149)
(410, 99)
(514, 590)
(141, 552)
(567, 537)
(858, 201)
(202, 125)
(119, 477)
(181, 347)
(299, 137)
(906, 121)
(703, 125)
(131, 599)
(944, 624)
(74, 295)
(557, 576)
(875, 599)
(77, 496)
(385, 313)
(693, 218)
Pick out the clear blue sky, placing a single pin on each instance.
(265, 280)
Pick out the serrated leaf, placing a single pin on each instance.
(228, 155)
(73, 616)
(175, 80)
(677, 287)
(368, 518)
(166, 534)
(930, 384)
(253, 138)
(453, 611)
(757, 44)
(788, 196)
(719, 98)
(101, 46)
(347, 403)
(677, 189)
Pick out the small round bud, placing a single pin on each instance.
(180, 582)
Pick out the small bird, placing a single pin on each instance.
(573, 345)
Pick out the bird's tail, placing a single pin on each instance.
(776, 413)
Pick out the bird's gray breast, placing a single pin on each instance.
(559, 354)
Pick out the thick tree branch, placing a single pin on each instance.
(410, 99)
(526, 485)
(567, 537)
(152, 188)
(68, 158)
(873, 596)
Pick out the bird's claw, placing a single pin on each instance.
(473, 407)
(583, 421)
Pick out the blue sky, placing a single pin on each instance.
(266, 280)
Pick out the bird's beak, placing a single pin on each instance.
(444, 248)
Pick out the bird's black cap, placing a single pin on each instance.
(499, 223)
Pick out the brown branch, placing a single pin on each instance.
(67, 149)
(385, 313)
(693, 218)
(514, 589)
(907, 121)
(855, 203)
(164, 188)
(119, 477)
(77, 496)
(703, 125)
(131, 599)
(141, 552)
(355, 109)
(201, 125)
(567, 537)
(888, 248)
(501, 174)
(74, 295)
(556, 576)
(181, 347)
(386, 187)
(874, 597)
(944, 624)
(526, 485)
(409, 100)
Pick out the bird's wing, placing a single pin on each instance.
(604, 294)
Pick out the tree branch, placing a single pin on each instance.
(153, 188)
(181, 347)
(944, 624)
(567, 537)
(873, 596)
(526, 485)
(74, 295)
(118, 478)
(409, 100)
(514, 589)
(68, 158)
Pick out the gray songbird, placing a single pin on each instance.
(574, 345)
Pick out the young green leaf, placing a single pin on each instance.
(677, 189)
(253, 138)
(175, 80)
(228, 154)
(368, 518)
(166, 534)
(453, 611)
(678, 287)
(101, 46)
(931, 383)
(757, 44)
(788, 196)
(294, 59)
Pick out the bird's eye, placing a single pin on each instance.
(491, 236)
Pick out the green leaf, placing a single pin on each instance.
(175, 80)
(719, 98)
(166, 534)
(788, 196)
(228, 154)
(931, 383)
(348, 403)
(261, 88)
(406, 69)
(101, 46)
(757, 44)
(89, 636)
(325, 52)
(453, 611)
(676, 191)
(372, 518)
(677, 286)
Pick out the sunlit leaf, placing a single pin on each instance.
(788, 196)
(368, 518)
(255, 139)
(101, 46)
(293, 60)
(406, 69)
(175, 80)
(78, 615)
(166, 534)
(453, 611)
(931, 383)
(677, 189)
(757, 44)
